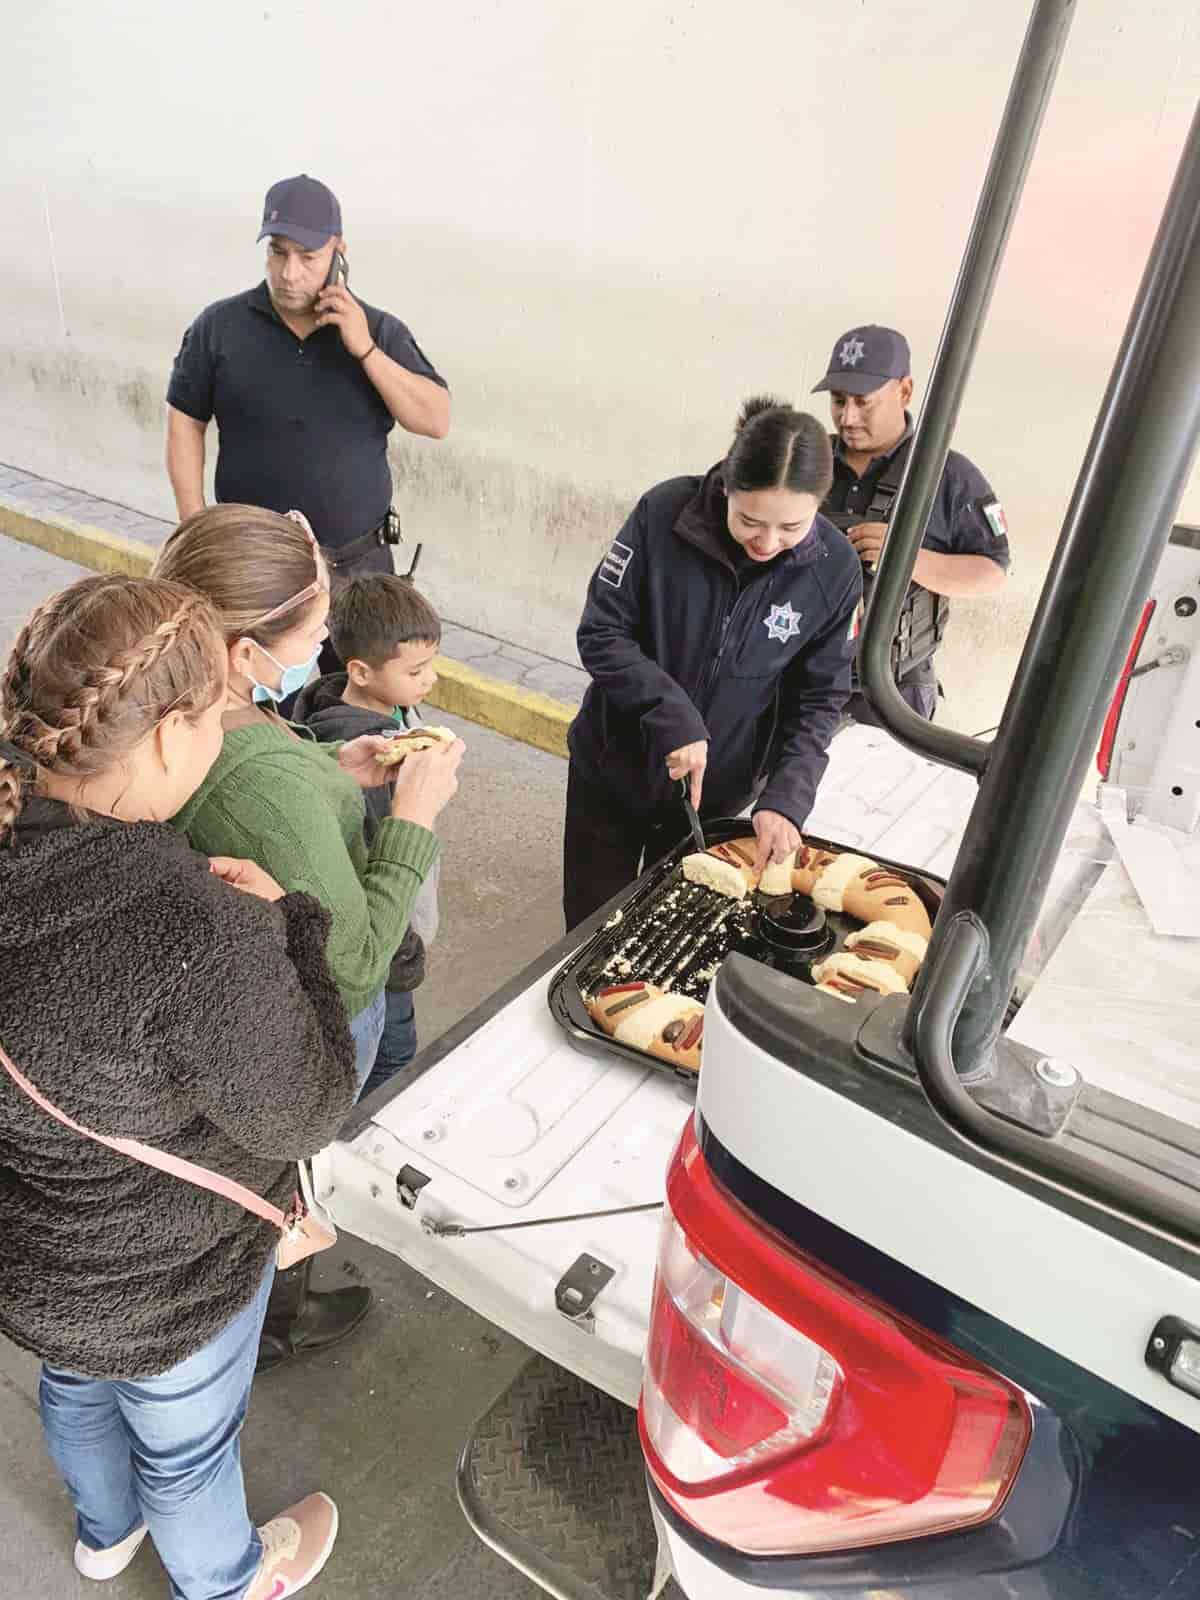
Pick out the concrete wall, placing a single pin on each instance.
(606, 224)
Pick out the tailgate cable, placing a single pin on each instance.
(455, 1230)
(1175, 656)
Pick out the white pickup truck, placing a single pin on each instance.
(907, 1290)
(854, 1189)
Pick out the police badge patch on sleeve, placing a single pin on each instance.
(613, 567)
(993, 513)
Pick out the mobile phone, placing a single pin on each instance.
(339, 272)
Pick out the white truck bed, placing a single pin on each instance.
(513, 1124)
(1121, 1002)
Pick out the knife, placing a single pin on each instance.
(693, 819)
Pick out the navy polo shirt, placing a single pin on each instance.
(300, 425)
(966, 520)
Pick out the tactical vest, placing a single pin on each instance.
(923, 616)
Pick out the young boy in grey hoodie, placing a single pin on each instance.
(387, 634)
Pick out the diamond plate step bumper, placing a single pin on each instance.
(552, 1478)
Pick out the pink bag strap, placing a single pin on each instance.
(175, 1165)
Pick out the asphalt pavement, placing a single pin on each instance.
(378, 1422)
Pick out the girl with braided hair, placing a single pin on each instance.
(147, 996)
(295, 806)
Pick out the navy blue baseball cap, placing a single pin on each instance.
(865, 358)
(301, 209)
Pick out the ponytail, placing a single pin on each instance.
(776, 447)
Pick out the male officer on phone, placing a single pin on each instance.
(965, 549)
(305, 382)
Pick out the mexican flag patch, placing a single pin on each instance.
(993, 511)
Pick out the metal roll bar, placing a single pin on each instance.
(1118, 522)
(1028, 96)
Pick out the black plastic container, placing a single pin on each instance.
(688, 931)
(795, 933)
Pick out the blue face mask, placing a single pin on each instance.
(291, 681)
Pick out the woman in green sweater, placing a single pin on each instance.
(277, 797)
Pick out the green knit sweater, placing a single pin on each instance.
(284, 802)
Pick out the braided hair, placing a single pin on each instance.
(94, 670)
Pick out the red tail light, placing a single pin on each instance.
(784, 1412)
(1108, 737)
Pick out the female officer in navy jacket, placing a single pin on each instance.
(718, 634)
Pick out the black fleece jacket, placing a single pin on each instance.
(686, 639)
(145, 998)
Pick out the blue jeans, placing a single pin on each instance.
(399, 1043)
(165, 1451)
(367, 1029)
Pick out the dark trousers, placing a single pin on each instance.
(398, 1045)
(604, 848)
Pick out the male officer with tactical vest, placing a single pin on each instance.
(964, 553)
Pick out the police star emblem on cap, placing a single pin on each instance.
(782, 622)
(864, 358)
(851, 353)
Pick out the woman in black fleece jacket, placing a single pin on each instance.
(151, 994)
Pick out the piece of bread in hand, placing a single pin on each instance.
(423, 738)
(667, 1026)
(713, 872)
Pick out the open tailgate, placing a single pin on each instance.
(506, 1123)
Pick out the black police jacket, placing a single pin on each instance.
(684, 641)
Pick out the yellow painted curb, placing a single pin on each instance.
(78, 542)
(524, 714)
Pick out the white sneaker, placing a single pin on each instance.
(296, 1545)
(110, 1563)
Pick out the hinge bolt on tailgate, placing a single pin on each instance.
(576, 1291)
(409, 1183)
(1060, 1074)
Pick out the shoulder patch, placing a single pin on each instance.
(615, 564)
(993, 515)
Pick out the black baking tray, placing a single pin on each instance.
(676, 931)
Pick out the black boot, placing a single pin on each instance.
(301, 1320)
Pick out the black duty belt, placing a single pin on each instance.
(379, 538)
